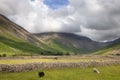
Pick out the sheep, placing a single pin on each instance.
(56, 58)
(41, 74)
(96, 70)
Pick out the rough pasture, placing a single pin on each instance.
(106, 73)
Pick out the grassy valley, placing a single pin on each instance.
(14, 40)
(113, 49)
(70, 43)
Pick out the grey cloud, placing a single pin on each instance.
(97, 19)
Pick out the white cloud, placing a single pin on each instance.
(99, 18)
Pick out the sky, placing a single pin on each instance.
(96, 19)
(55, 4)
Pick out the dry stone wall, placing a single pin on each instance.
(40, 66)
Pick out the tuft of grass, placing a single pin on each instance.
(106, 73)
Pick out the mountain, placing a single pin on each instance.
(113, 48)
(70, 43)
(14, 40)
(10, 29)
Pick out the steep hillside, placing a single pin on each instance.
(68, 42)
(10, 29)
(15, 40)
(113, 49)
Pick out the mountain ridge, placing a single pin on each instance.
(80, 43)
(15, 40)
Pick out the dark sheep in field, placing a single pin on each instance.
(56, 58)
(95, 70)
(41, 74)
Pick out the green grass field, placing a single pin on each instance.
(23, 61)
(106, 73)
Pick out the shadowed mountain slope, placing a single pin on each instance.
(69, 42)
(113, 48)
